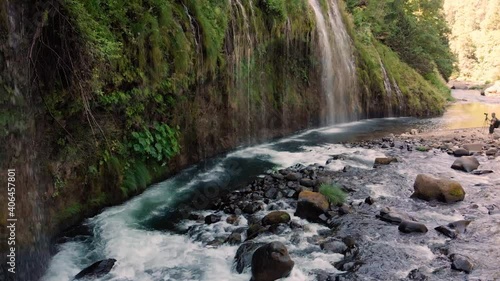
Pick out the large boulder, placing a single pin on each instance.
(271, 262)
(243, 258)
(466, 163)
(96, 270)
(429, 188)
(311, 205)
(276, 217)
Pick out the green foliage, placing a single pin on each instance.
(59, 185)
(72, 210)
(423, 148)
(415, 30)
(475, 38)
(371, 26)
(136, 178)
(159, 143)
(99, 200)
(275, 8)
(333, 193)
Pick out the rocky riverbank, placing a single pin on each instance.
(414, 214)
(282, 203)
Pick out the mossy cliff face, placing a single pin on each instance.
(101, 98)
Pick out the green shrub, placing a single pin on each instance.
(333, 193)
(159, 142)
(422, 148)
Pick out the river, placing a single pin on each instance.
(152, 241)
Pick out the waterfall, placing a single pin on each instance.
(338, 70)
(388, 89)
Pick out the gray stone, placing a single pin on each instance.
(212, 219)
(97, 269)
(461, 263)
(492, 152)
(452, 233)
(409, 227)
(337, 247)
(466, 163)
(389, 215)
(459, 152)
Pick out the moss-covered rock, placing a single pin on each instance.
(276, 217)
(430, 188)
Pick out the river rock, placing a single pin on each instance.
(234, 238)
(233, 219)
(429, 188)
(254, 230)
(337, 247)
(271, 193)
(461, 263)
(460, 226)
(276, 217)
(492, 152)
(243, 257)
(384, 161)
(311, 205)
(344, 209)
(271, 262)
(409, 227)
(459, 152)
(293, 176)
(473, 147)
(452, 233)
(97, 269)
(252, 207)
(212, 219)
(307, 182)
(370, 200)
(466, 163)
(417, 275)
(389, 215)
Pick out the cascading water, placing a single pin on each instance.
(242, 44)
(388, 89)
(338, 70)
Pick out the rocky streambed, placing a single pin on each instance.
(425, 206)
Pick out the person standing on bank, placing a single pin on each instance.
(493, 122)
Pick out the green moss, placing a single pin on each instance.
(72, 210)
(456, 191)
